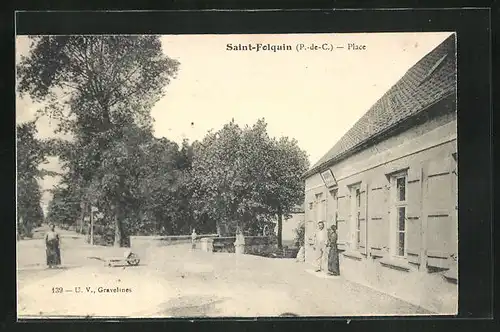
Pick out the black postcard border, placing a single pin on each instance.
(473, 29)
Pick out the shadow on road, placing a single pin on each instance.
(191, 307)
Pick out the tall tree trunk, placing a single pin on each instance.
(217, 227)
(118, 230)
(280, 227)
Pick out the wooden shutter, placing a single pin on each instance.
(439, 204)
(343, 217)
(378, 214)
(414, 214)
(362, 217)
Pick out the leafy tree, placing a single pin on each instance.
(285, 186)
(216, 182)
(64, 207)
(30, 154)
(244, 178)
(95, 86)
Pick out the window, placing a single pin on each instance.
(358, 230)
(401, 188)
(318, 197)
(355, 215)
(400, 249)
(311, 205)
(400, 209)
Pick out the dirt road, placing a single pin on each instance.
(175, 281)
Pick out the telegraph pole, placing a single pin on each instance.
(92, 225)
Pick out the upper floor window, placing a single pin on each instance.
(401, 188)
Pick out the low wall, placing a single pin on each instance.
(253, 244)
(142, 244)
(160, 241)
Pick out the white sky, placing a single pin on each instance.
(312, 96)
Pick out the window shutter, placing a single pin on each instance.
(362, 217)
(414, 214)
(439, 203)
(343, 217)
(378, 216)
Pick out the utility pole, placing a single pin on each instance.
(92, 226)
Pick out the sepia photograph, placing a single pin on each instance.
(236, 175)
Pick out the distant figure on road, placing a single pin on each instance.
(320, 243)
(193, 239)
(333, 255)
(52, 249)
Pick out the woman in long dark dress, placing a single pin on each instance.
(333, 255)
(52, 249)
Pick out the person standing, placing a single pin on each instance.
(333, 255)
(320, 244)
(52, 249)
(193, 239)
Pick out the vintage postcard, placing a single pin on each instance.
(266, 175)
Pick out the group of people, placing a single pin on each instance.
(325, 245)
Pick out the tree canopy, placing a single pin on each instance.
(244, 178)
(30, 154)
(100, 89)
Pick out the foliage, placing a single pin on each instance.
(142, 174)
(244, 178)
(300, 233)
(100, 89)
(102, 81)
(30, 154)
(64, 207)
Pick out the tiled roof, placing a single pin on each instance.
(428, 81)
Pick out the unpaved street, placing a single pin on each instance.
(175, 281)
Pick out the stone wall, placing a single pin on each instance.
(253, 244)
(142, 244)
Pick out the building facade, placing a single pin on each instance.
(391, 186)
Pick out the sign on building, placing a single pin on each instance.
(328, 178)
